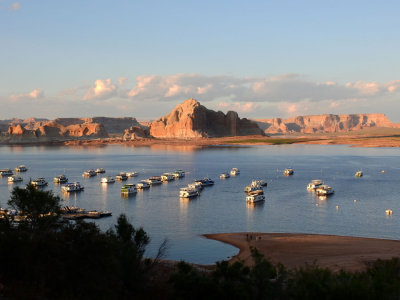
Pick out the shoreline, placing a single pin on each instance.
(350, 140)
(295, 250)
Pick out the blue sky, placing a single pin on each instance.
(141, 58)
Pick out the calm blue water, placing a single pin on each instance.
(222, 207)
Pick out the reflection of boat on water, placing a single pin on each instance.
(324, 190)
(60, 179)
(72, 187)
(255, 198)
(314, 184)
(107, 179)
(288, 172)
(15, 178)
(235, 171)
(188, 193)
(129, 189)
(359, 174)
(224, 175)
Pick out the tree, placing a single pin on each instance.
(39, 207)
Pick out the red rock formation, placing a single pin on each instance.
(134, 133)
(325, 123)
(190, 119)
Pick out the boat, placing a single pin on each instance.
(324, 190)
(89, 173)
(129, 189)
(255, 198)
(15, 178)
(6, 172)
(359, 174)
(153, 180)
(205, 181)
(235, 171)
(314, 184)
(195, 185)
(60, 179)
(72, 187)
(179, 174)
(254, 187)
(259, 183)
(39, 182)
(121, 176)
(167, 177)
(100, 170)
(188, 193)
(256, 191)
(143, 184)
(288, 172)
(21, 168)
(224, 175)
(132, 174)
(107, 179)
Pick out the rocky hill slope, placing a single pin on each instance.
(190, 119)
(324, 123)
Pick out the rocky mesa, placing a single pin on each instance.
(190, 119)
(324, 123)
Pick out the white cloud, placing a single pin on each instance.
(34, 94)
(102, 89)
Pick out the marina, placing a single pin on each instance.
(222, 207)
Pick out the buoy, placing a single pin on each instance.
(389, 211)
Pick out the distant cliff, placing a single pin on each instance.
(324, 123)
(190, 119)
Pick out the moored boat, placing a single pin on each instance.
(107, 179)
(288, 172)
(153, 180)
(21, 168)
(39, 182)
(179, 174)
(128, 189)
(224, 175)
(235, 171)
(259, 183)
(121, 176)
(60, 179)
(89, 173)
(132, 174)
(314, 184)
(359, 174)
(72, 187)
(100, 170)
(167, 177)
(6, 172)
(15, 178)
(205, 181)
(255, 198)
(143, 184)
(188, 193)
(324, 190)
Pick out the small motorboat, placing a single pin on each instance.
(100, 171)
(89, 173)
(224, 175)
(6, 172)
(21, 168)
(39, 182)
(235, 171)
(121, 176)
(107, 179)
(324, 190)
(314, 184)
(15, 178)
(132, 174)
(359, 174)
(288, 172)
(60, 179)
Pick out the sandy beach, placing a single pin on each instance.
(295, 250)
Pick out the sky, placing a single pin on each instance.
(141, 58)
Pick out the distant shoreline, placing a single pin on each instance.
(296, 249)
(351, 140)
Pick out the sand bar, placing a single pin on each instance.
(295, 250)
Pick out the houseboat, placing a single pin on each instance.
(314, 184)
(188, 193)
(107, 179)
(60, 179)
(89, 173)
(15, 178)
(39, 182)
(288, 172)
(72, 187)
(235, 171)
(21, 168)
(128, 189)
(6, 172)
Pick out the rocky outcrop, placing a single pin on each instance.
(325, 123)
(54, 131)
(190, 119)
(135, 133)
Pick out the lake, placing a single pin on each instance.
(356, 209)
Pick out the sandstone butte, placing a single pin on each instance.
(190, 119)
(325, 123)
